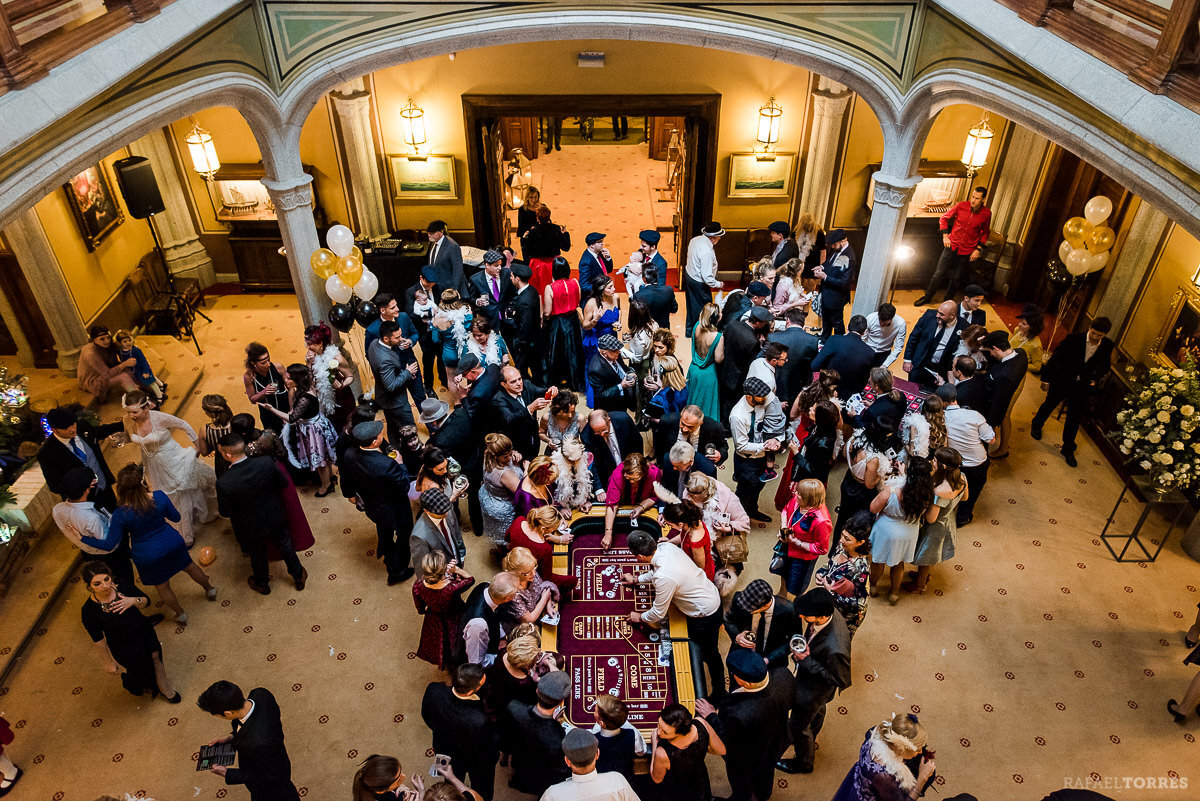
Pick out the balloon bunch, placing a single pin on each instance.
(1087, 239)
(341, 266)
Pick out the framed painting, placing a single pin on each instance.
(1180, 336)
(91, 198)
(752, 176)
(423, 178)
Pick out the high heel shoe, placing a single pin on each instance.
(1173, 708)
(181, 618)
(332, 486)
(175, 699)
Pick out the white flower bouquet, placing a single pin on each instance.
(1158, 426)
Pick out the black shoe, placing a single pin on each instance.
(921, 301)
(1190, 643)
(966, 521)
(1173, 708)
(403, 575)
(155, 619)
(793, 766)
(760, 517)
(1070, 459)
(174, 699)
(301, 579)
(259, 588)
(1036, 432)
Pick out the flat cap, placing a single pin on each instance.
(429, 275)
(758, 289)
(593, 238)
(436, 502)
(650, 237)
(836, 235)
(492, 256)
(746, 665)
(61, 418)
(555, 685)
(779, 227)
(755, 596)
(759, 314)
(996, 339)
(466, 363)
(522, 270)
(817, 602)
(365, 433)
(580, 746)
(756, 387)
(609, 342)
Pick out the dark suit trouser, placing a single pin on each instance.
(474, 510)
(695, 296)
(806, 721)
(1076, 406)
(854, 497)
(880, 357)
(392, 527)
(431, 355)
(747, 477)
(527, 362)
(833, 322)
(921, 375)
(746, 782)
(478, 770)
(703, 632)
(259, 565)
(976, 480)
(396, 419)
(951, 267)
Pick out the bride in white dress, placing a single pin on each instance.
(169, 466)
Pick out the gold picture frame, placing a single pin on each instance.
(94, 205)
(753, 176)
(423, 177)
(1181, 331)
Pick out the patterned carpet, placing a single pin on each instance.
(1033, 659)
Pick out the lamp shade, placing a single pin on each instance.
(979, 142)
(202, 151)
(414, 124)
(768, 123)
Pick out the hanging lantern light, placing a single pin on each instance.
(202, 151)
(414, 125)
(768, 123)
(979, 142)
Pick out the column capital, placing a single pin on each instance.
(892, 191)
(288, 195)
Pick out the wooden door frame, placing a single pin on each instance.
(703, 110)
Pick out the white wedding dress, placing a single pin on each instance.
(177, 471)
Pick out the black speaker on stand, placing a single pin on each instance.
(135, 177)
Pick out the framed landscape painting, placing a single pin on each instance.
(423, 178)
(751, 176)
(91, 198)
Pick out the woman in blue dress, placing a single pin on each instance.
(157, 549)
(601, 316)
(703, 384)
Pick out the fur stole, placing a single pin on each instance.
(885, 756)
(573, 489)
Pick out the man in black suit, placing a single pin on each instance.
(461, 727)
(970, 311)
(523, 323)
(822, 670)
(262, 757)
(785, 246)
(752, 722)
(594, 263)
(759, 621)
(1071, 375)
(461, 434)
(743, 344)
(517, 405)
(971, 385)
(480, 618)
(802, 349)
(445, 260)
(74, 442)
(379, 486)
(931, 345)
(706, 435)
(492, 288)
(679, 463)
(659, 298)
(248, 493)
(430, 353)
(608, 437)
(837, 276)
(397, 376)
(611, 378)
(850, 356)
(737, 303)
(537, 739)
(1007, 370)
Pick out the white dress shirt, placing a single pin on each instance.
(77, 520)
(890, 339)
(968, 433)
(678, 579)
(702, 262)
(942, 342)
(745, 421)
(610, 786)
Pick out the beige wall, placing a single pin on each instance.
(94, 277)
(1176, 265)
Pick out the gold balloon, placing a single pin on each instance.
(1075, 230)
(206, 556)
(1101, 239)
(356, 254)
(323, 262)
(349, 270)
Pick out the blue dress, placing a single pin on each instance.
(157, 549)
(703, 385)
(603, 327)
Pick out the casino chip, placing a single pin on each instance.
(612, 661)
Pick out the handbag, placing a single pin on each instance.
(726, 581)
(778, 555)
(732, 548)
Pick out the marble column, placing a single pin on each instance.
(1014, 191)
(830, 100)
(293, 209)
(1133, 262)
(877, 266)
(32, 248)
(353, 105)
(185, 255)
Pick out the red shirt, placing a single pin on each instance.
(968, 229)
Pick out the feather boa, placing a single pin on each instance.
(488, 356)
(574, 486)
(458, 325)
(885, 756)
(804, 244)
(324, 367)
(914, 430)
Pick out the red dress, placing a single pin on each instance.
(440, 627)
(299, 531)
(541, 274)
(704, 546)
(783, 493)
(543, 552)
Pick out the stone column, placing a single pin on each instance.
(353, 105)
(1013, 194)
(876, 271)
(1134, 261)
(39, 264)
(293, 209)
(830, 100)
(185, 255)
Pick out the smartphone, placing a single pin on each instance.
(549, 394)
(439, 761)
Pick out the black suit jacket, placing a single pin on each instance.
(379, 482)
(537, 759)
(607, 392)
(248, 494)
(1067, 367)
(975, 393)
(839, 277)
(712, 434)
(494, 310)
(57, 459)
(526, 324)
(775, 647)
(977, 317)
(737, 303)
(660, 301)
(670, 476)
(797, 373)
(741, 348)
(262, 758)
(790, 250)
(602, 466)
(754, 728)
(827, 668)
(410, 302)
(1006, 379)
(392, 376)
(513, 419)
(851, 357)
(447, 268)
(461, 728)
(922, 343)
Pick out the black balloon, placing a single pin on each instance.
(366, 313)
(1057, 272)
(341, 317)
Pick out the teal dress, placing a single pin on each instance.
(702, 383)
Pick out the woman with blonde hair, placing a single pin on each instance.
(438, 598)
(708, 350)
(502, 474)
(788, 293)
(537, 533)
(509, 679)
(536, 596)
(451, 327)
(537, 487)
(881, 773)
(805, 531)
(810, 241)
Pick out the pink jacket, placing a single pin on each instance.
(618, 492)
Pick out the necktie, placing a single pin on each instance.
(612, 446)
(78, 451)
(237, 724)
(495, 289)
(760, 633)
(753, 426)
(445, 531)
(808, 632)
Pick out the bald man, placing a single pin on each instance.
(931, 346)
(609, 437)
(516, 409)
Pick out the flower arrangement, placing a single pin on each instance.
(1158, 425)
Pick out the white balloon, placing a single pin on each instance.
(337, 289)
(340, 240)
(1097, 261)
(1078, 261)
(1064, 250)
(1097, 209)
(368, 285)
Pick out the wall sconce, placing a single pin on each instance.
(202, 151)
(768, 126)
(414, 125)
(979, 141)
(902, 255)
(1196, 277)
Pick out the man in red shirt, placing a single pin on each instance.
(965, 231)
